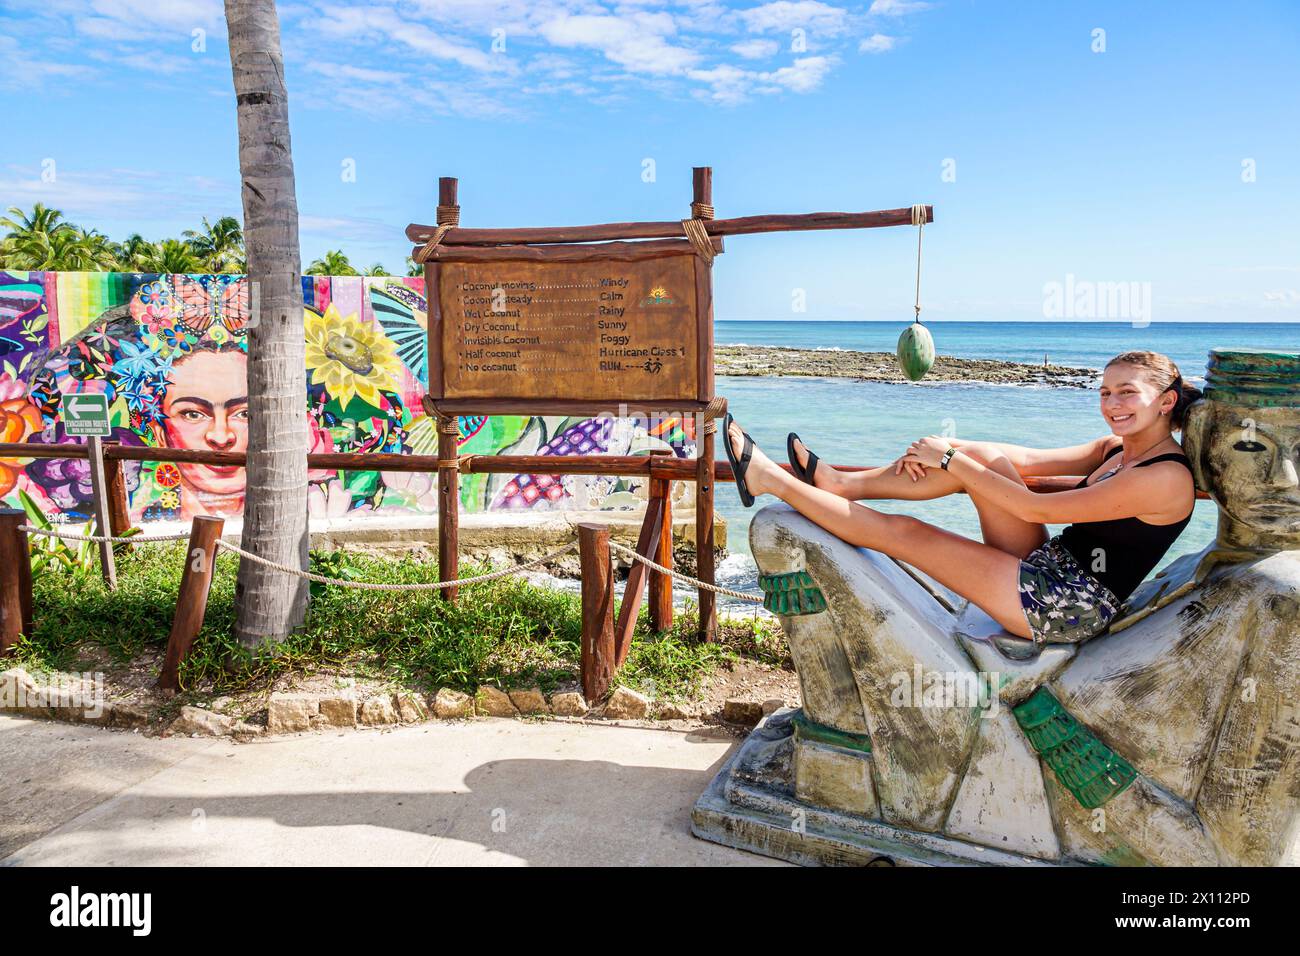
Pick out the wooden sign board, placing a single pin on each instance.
(586, 332)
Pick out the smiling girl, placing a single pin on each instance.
(1135, 500)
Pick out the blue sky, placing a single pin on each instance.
(1121, 156)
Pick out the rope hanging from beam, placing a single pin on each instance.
(918, 220)
(699, 237)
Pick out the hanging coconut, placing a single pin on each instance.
(915, 351)
(916, 345)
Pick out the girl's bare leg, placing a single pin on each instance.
(985, 575)
(999, 527)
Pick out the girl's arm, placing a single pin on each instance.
(1126, 495)
(1071, 460)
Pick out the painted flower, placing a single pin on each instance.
(19, 419)
(167, 475)
(169, 500)
(137, 361)
(330, 500)
(176, 339)
(349, 357)
(415, 490)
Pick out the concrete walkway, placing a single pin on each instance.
(488, 792)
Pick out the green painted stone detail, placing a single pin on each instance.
(1085, 766)
(810, 730)
(794, 592)
(915, 351)
(1255, 377)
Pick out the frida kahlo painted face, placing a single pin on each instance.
(206, 409)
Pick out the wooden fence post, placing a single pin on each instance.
(119, 502)
(704, 559)
(15, 580)
(103, 525)
(661, 585)
(597, 611)
(448, 437)
(192, 600)
(647, 543)
(702, 208)
(448, 506)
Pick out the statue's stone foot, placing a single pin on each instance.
(755, 804)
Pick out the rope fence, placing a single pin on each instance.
(222, 544)
(684, 578)
(603, 650)
(380, 586)
(105, 538)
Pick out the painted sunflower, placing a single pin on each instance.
(349, 357)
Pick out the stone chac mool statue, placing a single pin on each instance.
(1171, 738)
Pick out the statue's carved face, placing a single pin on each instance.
(1249, 460)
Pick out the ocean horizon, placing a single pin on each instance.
(1087, 344)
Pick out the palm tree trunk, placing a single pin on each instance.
(271, 604)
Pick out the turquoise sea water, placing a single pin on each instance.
(872, 423)
(1086, 344)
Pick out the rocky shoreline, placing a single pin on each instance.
(771, 360)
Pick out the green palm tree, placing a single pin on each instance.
(413, 268)
(43, 220)
(63, 250)
(333, 263)
(171, 256)
(28, 240)
(132, 253)
(220, 245)
(98, 253)
(377, 270)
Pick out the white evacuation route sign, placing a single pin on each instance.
(86, 415)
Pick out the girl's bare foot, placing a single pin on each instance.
(761, 471)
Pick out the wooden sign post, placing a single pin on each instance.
(579, 321)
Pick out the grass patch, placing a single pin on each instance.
(506, 632)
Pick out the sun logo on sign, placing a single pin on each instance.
(658, 296)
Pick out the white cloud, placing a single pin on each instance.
(378, 23)
(755, 49)
(897, 8)
(784, 16)
(804, 75)
(877, 43)
(730, 85)
(116, 194)
(635, 41)
(24, 71)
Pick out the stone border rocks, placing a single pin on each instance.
(348, 708)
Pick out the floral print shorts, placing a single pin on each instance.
(1063, 603)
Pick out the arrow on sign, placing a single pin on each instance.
(76, 408)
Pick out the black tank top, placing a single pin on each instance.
(1131, 546)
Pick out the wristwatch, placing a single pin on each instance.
(947, 457)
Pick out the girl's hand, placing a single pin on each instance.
(927, 451)
(915, 469)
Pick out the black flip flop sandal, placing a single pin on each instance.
(799, 471)
(738, 468)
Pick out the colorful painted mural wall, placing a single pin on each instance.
(170, 352)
